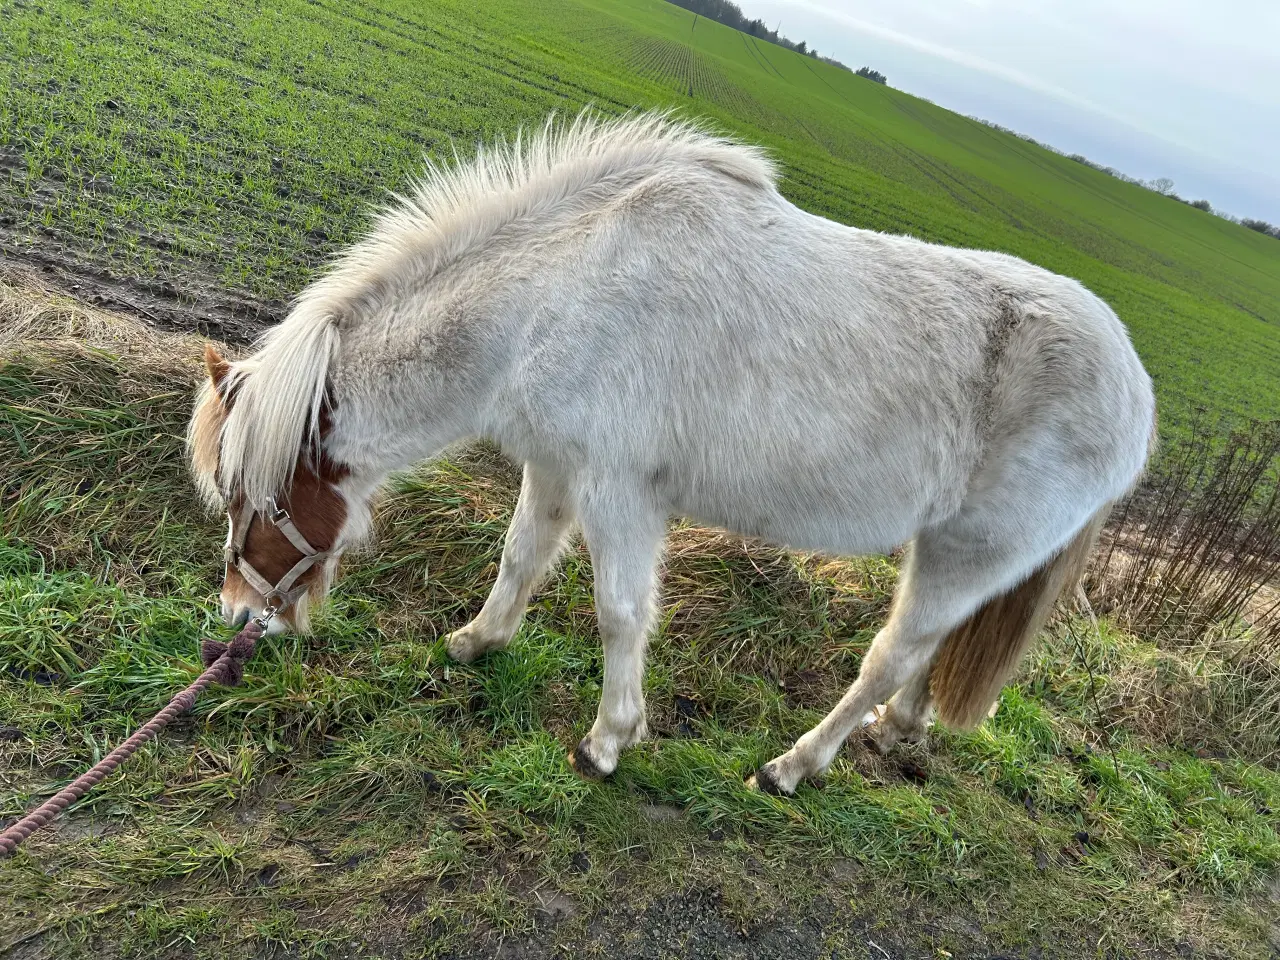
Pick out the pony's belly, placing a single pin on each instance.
(839, 523)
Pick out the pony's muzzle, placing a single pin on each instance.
(236, 617)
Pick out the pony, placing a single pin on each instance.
(631, 309)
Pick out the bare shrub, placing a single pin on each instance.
(1193, 551)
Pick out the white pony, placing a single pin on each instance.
(633, 311)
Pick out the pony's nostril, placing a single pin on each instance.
(241, 617)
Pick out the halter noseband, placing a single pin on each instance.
(283, 594)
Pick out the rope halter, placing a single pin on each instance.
(283, 594)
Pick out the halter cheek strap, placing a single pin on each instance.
(283, 593)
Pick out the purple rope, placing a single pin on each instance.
(224, 663)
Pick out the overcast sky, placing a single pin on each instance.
(1187, 89)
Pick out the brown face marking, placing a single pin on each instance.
(317, 510)
(312, 499)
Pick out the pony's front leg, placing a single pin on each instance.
(624, 540)
(534, 541)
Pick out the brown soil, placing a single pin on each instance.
(189, 301)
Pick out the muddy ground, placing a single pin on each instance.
(188, 300)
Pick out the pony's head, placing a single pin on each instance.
(288, 525)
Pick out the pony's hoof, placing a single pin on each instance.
(888, 731)
(584, 765)
(467, 645)
(884, 742)
(766, 781)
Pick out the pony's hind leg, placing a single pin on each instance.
(983, 588)
(905, 718)
(534, 541)
(901, 651)
(625, 538)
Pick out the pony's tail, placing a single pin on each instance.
(977, 657)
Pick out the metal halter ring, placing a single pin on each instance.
(266, 616)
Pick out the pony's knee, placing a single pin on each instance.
(623, 621)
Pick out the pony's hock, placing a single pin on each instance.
(633, 311)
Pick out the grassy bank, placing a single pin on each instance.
(361, 793)
(193, 166)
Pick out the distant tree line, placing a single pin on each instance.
(870, 74)
(1261, 226)
(731, 15)
(1160, 185)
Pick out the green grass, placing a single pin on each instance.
(360, 788)
(200, 149)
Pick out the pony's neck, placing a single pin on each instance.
(421, 372)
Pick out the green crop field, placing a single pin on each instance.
(191, 166)
(211, 156)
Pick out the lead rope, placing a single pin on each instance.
(224, 663)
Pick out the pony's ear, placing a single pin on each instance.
(217, 366)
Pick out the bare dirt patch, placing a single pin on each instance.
(188, 301)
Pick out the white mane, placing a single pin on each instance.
(449, 212)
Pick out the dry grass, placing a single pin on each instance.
(1216, 697)
(31, 313)
(1190, 563)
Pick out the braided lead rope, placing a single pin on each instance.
(224, 663)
